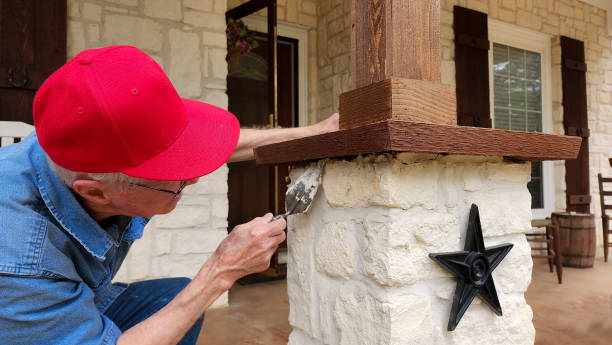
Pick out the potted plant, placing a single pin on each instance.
(240, 41)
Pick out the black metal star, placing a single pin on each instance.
(473, 267)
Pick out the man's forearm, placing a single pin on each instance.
(171, 323)
(251, 138)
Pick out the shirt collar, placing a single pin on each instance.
(67, 210)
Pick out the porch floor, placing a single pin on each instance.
(579, 311)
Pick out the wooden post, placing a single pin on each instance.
(395, 65)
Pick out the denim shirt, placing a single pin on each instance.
(56, 262)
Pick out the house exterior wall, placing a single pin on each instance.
(187, 39)
(304, 14)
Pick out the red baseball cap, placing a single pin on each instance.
(113, 109)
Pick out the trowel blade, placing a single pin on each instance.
(300, 195)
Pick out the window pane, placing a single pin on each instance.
(502, 118)
(533, 96)
(502, 91)
(535, 186)
(518, 120)
(517, 99)
(534, 122)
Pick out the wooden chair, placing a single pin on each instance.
(13, 131)
(553, 244)
(605, 218)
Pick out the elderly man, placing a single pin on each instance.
(115, 145)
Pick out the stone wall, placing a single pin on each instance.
(333, 46)
(359, 271)
(573, 19)
(187, 39)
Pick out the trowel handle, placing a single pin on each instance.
(284, 216)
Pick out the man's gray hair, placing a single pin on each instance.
(68, 176)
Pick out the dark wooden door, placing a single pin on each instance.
(255, 190)
(32, 46)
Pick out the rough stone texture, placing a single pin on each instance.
(192, 52)
(359, 270)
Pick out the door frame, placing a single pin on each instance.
(299, 33)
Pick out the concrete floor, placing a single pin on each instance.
(577, 312)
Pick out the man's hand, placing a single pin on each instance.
(251, 138)
(330, 124)
(249, 248)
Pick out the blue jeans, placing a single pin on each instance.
(142, 299)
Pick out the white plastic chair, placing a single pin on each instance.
(10, 130)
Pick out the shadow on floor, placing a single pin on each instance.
(577, 312)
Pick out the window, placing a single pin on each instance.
(520, 97)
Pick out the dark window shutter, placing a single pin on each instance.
(472, 67)
(32, 46)
(575, 121)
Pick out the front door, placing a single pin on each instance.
(32, 46)
(255, 190)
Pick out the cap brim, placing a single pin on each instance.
(206, 143)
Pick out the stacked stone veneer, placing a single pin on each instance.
(359, 271)
(187, 39)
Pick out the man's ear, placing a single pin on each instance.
(95, 192)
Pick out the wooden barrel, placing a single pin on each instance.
(577, 234)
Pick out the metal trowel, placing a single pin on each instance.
(299, 195)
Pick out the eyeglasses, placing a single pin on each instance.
(174, 194)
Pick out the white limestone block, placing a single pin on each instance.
(333, 252)
(124, 2)
(197, 241)
(92, 12)
(183, 217)
(300, 276)
(410, 320)
(204, 20)
(214, 39)
(140, 32)
(220, 207)
(162, 241)
(76, 33)
(218, 65)
(183, 265)
(184, 71)
(213, 183)
(167, 9)
(362, 319)
(201, 5)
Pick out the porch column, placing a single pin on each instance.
(358, 265)
(398, 185)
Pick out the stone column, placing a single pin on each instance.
(358, 265)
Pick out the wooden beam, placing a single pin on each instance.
(393, 135)
(399, 99)
(399, 38)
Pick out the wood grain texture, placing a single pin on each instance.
(366, 139)
(394, 38)
(392, 135)
(398, 99)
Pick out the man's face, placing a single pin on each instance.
(139, 201)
